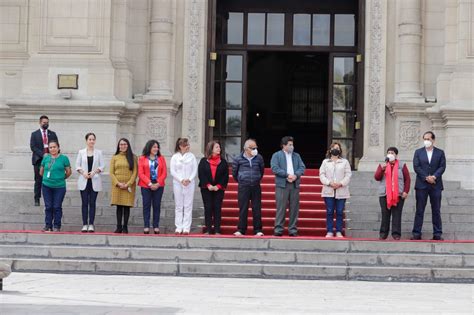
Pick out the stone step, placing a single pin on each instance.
(236, 256)
(269, 271)
(239, 257)
(309, 244)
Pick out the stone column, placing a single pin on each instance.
(375, 84)
(161, 50)
(409, 65)
(456, 93)
(408, 108)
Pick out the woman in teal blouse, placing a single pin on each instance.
(55, 168)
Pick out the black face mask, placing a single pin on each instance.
(335, 152)
(44, 126)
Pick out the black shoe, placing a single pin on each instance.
(277, 234)
(57, 230)
(118, 229)
(293, 234)
(396, 237)
(125, 229)
(415, 237)
(37, 203)
(382, 237)
(437, 238)
(47, 229)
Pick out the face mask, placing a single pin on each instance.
(290, 149)
(45, 126)
(335, 152)
(391, 157)
(254, 152)
(427, 143)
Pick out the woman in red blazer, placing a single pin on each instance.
(151, 179)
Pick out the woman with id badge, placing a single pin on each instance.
(123, 173)
(55, 168)
(151, 179)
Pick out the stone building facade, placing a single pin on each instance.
(144, 72)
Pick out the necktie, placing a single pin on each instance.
(45, 142)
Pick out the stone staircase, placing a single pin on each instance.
(267, 257)
(363, 215)
(17, 211)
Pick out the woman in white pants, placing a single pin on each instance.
(183, 168)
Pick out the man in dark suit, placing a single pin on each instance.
(288, 168)
(39, 146)
(429, 164)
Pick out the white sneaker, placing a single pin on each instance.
(259, 234)
(178, 231)
(339, 234)
(84, 228)
(91, 228)
(237, 233)
(330, 234)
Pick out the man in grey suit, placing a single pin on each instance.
(288, 167)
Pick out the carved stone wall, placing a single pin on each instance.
(73, 26)
(409, 135)
(14, 28)
(157, 128)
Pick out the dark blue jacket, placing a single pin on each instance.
(423, 168)
(248, 173)
(278, 164)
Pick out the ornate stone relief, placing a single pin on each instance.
(470, 42)
(193, 63)
(375, 72)
(409, 134)
(157, 128)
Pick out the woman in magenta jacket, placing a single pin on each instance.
(151, 179)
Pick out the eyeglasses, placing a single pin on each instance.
(253, 148)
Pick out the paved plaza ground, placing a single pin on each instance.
(39, 293)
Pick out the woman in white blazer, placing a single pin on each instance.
(183, 168)
(89, 165)
(335, 175)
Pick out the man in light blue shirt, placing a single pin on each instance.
(288, 168)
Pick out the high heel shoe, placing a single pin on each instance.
(125, 229)
(118, 229)
(146, 231)
(156, 230)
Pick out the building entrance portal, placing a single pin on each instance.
(287, 94)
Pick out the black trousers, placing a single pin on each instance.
(245, 195)
(396, 213)
(421, 201)
(38, 179)
(212, 209)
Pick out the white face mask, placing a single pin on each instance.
(254, 152)
(391, 157)
(427, 143)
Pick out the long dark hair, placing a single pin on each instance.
(148, 146)
(210, 147)
(129, 152)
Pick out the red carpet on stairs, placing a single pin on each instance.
(312, 215)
